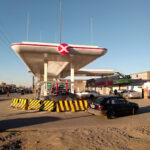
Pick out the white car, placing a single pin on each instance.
(87, 94)
(131, 94)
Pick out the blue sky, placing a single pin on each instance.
(123, 27)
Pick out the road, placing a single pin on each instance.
(11, 118)
(66, 122)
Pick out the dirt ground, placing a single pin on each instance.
(32, 130)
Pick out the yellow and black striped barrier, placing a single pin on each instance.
(50, 105)
(41, 105)
(34, 105)
(71, 105)
(14, 102)
(20, 103)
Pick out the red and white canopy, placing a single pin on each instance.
(58, 57)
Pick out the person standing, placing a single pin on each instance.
(115, 92)
(8, 93)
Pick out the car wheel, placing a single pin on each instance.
(134, 110)
(92, 98)
(110, 114)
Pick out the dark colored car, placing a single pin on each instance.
(22, 92)
(63, 96)
(113, 106)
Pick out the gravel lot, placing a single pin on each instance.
(33, 130)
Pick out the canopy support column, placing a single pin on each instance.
(56, 86)
(72, 78)
(45, 78)
(66, 85)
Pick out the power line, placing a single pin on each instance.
(5, 40)
(5, 36)
(5, 32)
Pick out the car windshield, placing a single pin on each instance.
(99, 100)
(85, 91)
(132, 91)
(122, 100)
(118, 100)
(125, 91)
(93, 91)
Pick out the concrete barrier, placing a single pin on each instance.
(14, 102)
(34, 105)
(19, 103)
(71, 105)
(50, 105)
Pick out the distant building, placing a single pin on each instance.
(118, 81)
(7, 87)
(3, 84)
(11, 86)
(141, 75)
(80, 85)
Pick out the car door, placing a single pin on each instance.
(116, 106)
(107, 104)
(124, 105)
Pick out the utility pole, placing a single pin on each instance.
(91, 29)
(28, 26)
(40, 36)
(60, 21)
(33, 82)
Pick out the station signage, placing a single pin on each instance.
(113, 82)
(121, 81)
(63, 49)
(49, 84)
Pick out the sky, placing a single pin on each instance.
(121, 26)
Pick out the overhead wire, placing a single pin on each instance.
(5, 38)
(6, 33)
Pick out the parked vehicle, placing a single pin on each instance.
(87, 94)
(131, 94)
(22, 92)
(112, 106)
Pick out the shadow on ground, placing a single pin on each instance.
(24, 113)
(5, 99)
(23, 122)
(143, 110)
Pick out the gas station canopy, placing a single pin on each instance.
(94, 72)
(58, 57)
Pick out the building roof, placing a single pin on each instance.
(140, 73)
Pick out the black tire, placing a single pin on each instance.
(111, 115)
(134, 110)
(91, 96)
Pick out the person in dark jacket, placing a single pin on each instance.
(115, 92)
